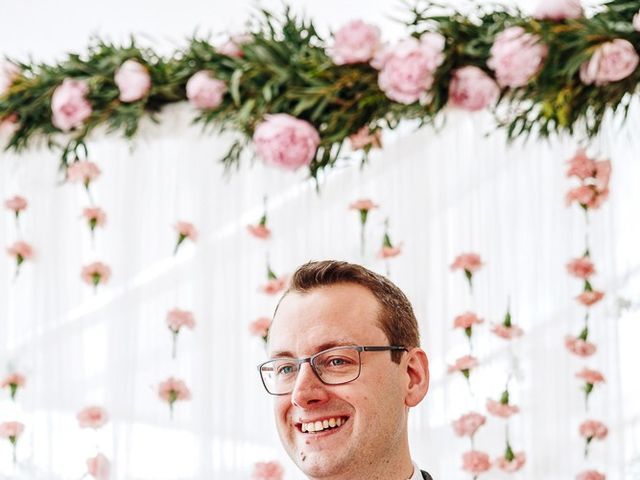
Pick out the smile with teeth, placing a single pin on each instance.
(320, 425)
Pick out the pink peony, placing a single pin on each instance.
(274, 285)
(11, 430)
(581, 267)
(233, 46)
(469, 262)
(267, 471)
(99, 467)
(579, 347)
(636, 22)
(472, 89)
(407, 69)
(83, 171)
(558, 10)
(92, 417)
(463, 364)
(588, 298)
(259, 231)
(591, 475)
(8, 73)
(365, 139)
(511, 465)
(260, 327)
(507, 332)
(95, 216)
(612, 61)
(475, 462)
(468, 424)
(363, 204)
(69, 105)
(176, 319)
(95, 273)
(590, 376)
(133, 81)
(285, 141)
(581, 165)
(172, 390)
(590, 429)
(17, 204)
(21, 251)
(467, 320)
(516, 57)
(356, 42)
(500, 409)
(204, 91)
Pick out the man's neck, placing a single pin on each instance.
(382, 470)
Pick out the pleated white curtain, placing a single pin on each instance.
(444, 192)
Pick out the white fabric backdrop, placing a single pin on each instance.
(445, 192)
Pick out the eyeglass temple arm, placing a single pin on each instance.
(382, 349)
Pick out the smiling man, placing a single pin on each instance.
(345, 368)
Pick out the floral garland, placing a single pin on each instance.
(298, 97)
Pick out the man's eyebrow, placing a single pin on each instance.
(342, 342)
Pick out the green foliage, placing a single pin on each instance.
(285, 69)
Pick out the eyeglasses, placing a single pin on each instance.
(334, 366)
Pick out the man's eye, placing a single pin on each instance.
(285, 370)
(338, 362)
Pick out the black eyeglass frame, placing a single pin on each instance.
(311, 361)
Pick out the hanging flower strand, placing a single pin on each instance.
(13, 381)
(388, 249)
(507, 330)
(592, 430)
(510, 462)
(466, 321)
(173, 390)
(176, 319)
(260, 328)
(17, 205)
(185, 230)
(21, 251)
(260, 230)
(83, 171)
(95, 217)
(502, 408)
(96, 273)
(363, 206)
(470, 263)
(274, 283)
(591, 378)
(12, 431)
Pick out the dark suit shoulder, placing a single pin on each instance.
(425, 475)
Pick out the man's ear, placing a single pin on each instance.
(417, 370)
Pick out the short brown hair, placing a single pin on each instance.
(396, 319)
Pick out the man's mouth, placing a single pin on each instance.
(325, 424)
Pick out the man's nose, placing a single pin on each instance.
(308, 389)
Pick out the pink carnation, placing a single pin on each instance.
(83, 171)
(95, 216)
(390, 252)
(589, 298)
(516, 57)
(588, 196)
(16, 203)
(21, 251)
(259, 231)
(363, 204)
(467, 320)
(581, 165)
(99, 467)
(274, 285)
(513, 465)
(472, 89)
(407, 69)
(475, 462)
(8, 73)
(505, 332)
(187, 230)
(11, 430)
(463, 363)
(356, 42)
(95, 273)
(579, 347)
(499, 409)
(233, 46)
(260, 327)
(611, 62)
(590, 429)
(133, 81)
(590, 376)
(176, 319)
(364, 138)
(267, 471)
(92, 417)
(470, 262)
(468, 424)
(285, 141)
(591, 475)
(69, 105)
(581, 267)
(172, 390)
(204, 91)
(558, 10)
(16, 379)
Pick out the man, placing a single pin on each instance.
(345, 369)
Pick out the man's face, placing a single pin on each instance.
(371, 409)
